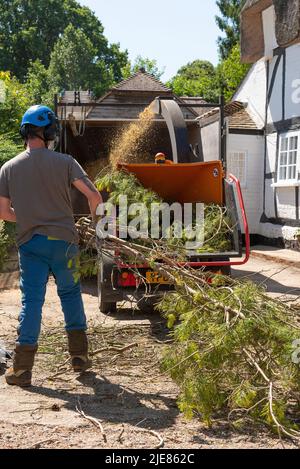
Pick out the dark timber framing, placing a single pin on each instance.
(280, 127)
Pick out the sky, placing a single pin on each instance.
(174, 32)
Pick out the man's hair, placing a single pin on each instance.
(31, 131)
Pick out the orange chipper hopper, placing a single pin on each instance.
(181, 182)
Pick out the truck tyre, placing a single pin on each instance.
(147, 305)
(106, 265)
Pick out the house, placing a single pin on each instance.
(263, 140)
(90, 127)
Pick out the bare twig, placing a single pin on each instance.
(154, 433)
(93, 420)
(38, 444)
(114, 349)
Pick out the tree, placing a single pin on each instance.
(13, 104)
(231, 72)
(229, 23)
(29, 30)
(197, 78)
(149, 65)
(72, 65)
(38, 84)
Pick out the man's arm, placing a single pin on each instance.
(87, 188)
(7, 213)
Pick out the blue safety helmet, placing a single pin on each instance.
(40, 116)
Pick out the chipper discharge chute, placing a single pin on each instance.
(184, 179)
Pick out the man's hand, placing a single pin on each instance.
(87, 188)
(7, 213)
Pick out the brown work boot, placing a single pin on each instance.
(20, 373)
(78, 348)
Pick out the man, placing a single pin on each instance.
(35, 192)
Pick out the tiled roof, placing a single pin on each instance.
(242, 120)
(141, 81)
(239, 117)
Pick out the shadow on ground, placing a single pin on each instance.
(114, 403)
(271, 285)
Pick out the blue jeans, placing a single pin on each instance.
(38, 258)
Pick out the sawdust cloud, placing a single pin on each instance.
(129, 145)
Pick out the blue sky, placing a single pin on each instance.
(174, 32)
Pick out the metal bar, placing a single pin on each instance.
(55, 103)
(187, 105)
(222, 132)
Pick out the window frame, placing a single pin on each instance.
(245, 153)
(289, 136)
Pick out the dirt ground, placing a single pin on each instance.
(125, 391)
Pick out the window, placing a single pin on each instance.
(288, 156)
(236, 165)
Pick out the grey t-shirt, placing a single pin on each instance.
(38, 183)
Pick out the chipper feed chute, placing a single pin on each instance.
(182, 182)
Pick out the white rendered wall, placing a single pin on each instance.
(276, 231)
(292, 88)
(253, 92)
(253, 145)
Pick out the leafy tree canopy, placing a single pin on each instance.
(38, 84)
(197, 78)
(73, 65)
(14, 102)
(229, 24)
(149, 65)
(231, 72)
(29, 29)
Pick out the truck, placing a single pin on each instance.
(186, 180)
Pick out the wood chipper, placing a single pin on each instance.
(184, 179)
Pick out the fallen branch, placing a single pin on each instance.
(93, 420)
(38, 444)
(154, 433)
(114, 349)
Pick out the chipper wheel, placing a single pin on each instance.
(105, 290)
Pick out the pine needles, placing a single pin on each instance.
(217, 224)
(232, 352)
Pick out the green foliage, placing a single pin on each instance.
(84, 265)
(197, 78)
(231, 72)
(30, 29)
(229, 24)
(72, 64)
(122, 183)
(7, 240)
(217, 225)
(150, 66)
(224, 333)
(12, 107)
(8, 149)
(39, 85)
(217, 230)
